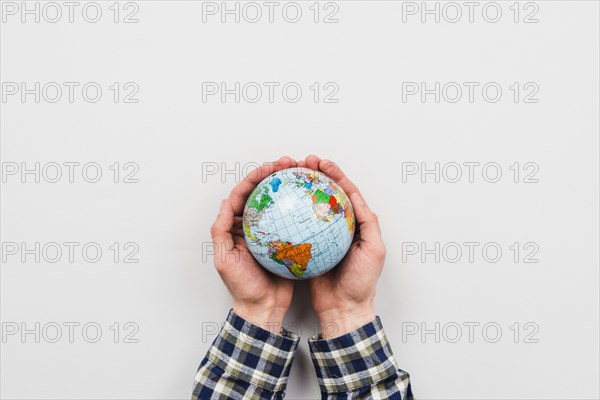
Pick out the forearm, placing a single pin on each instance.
(268, 318)
(339, 321)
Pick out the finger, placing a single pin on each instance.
(242, 190)
(332, 170)
(302, 164)
(312, 162)
(237, 226)
(370, 231)
(357, 237)
(220, 231)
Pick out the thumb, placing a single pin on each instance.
(368, 222)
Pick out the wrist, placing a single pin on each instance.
(340, 321)
(268, 318)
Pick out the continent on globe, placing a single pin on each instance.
(298, 223)
(294, 257)
(261, 200)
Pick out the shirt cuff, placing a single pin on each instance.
(360, 358)
(253, 354)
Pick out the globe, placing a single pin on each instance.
(298, 223)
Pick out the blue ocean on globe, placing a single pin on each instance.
(298, 223)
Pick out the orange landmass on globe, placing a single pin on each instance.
(294, 257)
(349, 218)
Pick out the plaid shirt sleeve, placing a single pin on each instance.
(246, 362)
(359, 365)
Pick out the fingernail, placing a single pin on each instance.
(329, 166)
(222, 206)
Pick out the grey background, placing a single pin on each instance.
(176, 298)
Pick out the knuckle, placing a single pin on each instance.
(219, 266)
(374, 217)
(378, 249)
(381, 250)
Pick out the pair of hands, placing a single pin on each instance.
(342, 298)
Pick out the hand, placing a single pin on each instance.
(258, 296)
(343, 297)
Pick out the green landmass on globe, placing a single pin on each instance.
(298, 223)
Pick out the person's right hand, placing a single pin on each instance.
(258, 296)
(343, 297)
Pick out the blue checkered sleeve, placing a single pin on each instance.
(245, 362)
(359, 365)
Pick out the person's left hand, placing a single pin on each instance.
(343, 298)
(258, 296)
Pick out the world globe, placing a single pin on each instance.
(298, 223)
